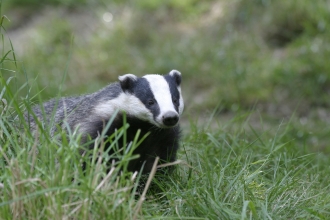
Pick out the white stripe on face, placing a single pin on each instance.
(124, 102)
(181, 107)
(161, 91)
(133, 106)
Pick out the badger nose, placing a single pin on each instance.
(170, 118)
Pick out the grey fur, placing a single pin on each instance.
(90, 112)
(73, 110)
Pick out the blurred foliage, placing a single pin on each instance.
(37, 3)
(185, 9)
(266, 55)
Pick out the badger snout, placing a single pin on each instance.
(170, 118)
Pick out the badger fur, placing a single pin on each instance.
(152, 104)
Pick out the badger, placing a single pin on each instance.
(152, 104)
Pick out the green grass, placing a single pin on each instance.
(255, 82)
(228, 172)
(42, 176)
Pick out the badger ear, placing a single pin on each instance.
(176, 75)
(127, 81)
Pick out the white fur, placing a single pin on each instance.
(181, 107)
(124, 102)
(173, 72)
(123, 77)
(161, 91)
(133, 106)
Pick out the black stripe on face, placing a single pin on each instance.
(143, 92)
(174, 91)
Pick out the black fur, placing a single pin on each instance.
(174, 90)
(163, 143)
(141, 89)
(80, 112)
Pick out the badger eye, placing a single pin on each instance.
(175, 101)
(151, 102)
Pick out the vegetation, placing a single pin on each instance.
(256, 85)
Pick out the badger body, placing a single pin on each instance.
(152, 104)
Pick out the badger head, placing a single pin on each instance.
(153, 98)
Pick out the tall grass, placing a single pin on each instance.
(240, 174)
(42, 176)
(229, 172)
(239, 168)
